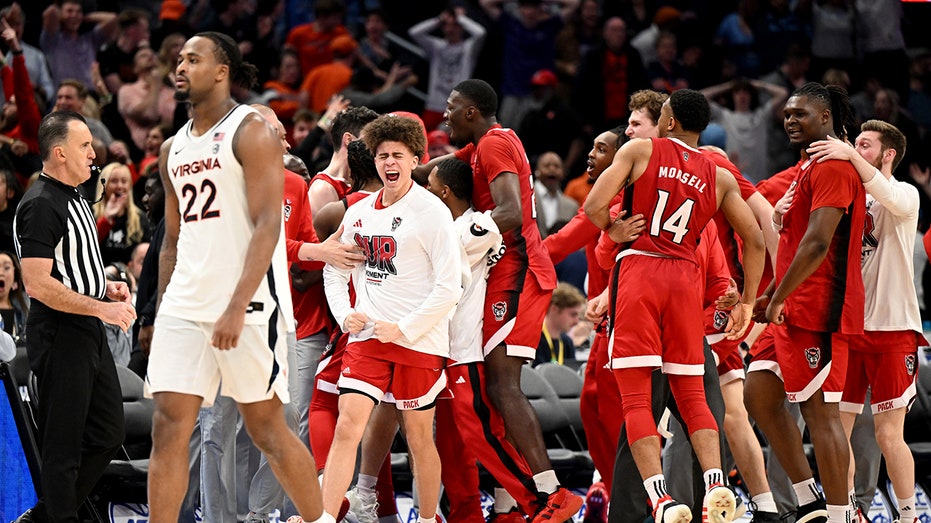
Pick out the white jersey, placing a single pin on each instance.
(482, 243)
(412, 274)
(216, 230)
(887, 265)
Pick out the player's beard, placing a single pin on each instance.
(182, 96)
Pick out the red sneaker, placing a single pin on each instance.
(511, 516)
(596, 504)
(560, 506)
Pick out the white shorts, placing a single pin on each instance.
(183, 360)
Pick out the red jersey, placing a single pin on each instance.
(677, 196)
(500, 151)
(831, 299)
(773, 188)
(730, 243)
(341, 187)
(310, 306)
(578, 233)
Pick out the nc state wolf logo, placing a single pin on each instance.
(813, 355)
(379, 252)
(910, 364)
(499, 309)
(395, 223)
(720, 320)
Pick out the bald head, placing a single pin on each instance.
(269, 115)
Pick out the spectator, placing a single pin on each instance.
(666, 73)
(365, 89)
(120, 224)
(736, 40)
(14, 302)
(667, 19)
(879, 35)
(10, 193)
(116, 58)
(791, 74)
(153, 143)
(21, 115)
(321, 83)
(607, 78)
(529, 45)
(148, 101)
(438, 144)
(377, 49)
(452, 58)
(555, 344)
(147, 288)
(119, 341)
(777, 29)
(577, 38)
(70, 53)
(552, 125)
(887, 108)
(312, 41)
(71, 96)
(554, 209)
(833, 42)
(747, 122)
(36, 63)
(919, 88)
(283, 91)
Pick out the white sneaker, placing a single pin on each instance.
(363, 505)
(719, 506)
(671, 511)
(255, 517)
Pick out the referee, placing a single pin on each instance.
(80, 404)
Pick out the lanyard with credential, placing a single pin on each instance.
(549, 341)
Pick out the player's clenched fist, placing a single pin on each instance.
(355, 322)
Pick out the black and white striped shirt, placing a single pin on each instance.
(54, 221)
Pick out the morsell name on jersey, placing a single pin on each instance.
(187, 169)
(682, 176)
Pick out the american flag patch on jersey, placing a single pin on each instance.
(218, 136)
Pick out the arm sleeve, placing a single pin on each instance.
(39, 228)
(440, 242)
(900, 198)
(576, 234)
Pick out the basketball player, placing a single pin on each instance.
(884, 359)
(679, 193)
(399, 325)
(817, 296)
(223, 224)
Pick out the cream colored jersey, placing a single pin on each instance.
(887, 265)
(216, 229)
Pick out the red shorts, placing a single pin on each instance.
(660, 323)
(413, 388)
(811, 361)
(729, 361)
(887, 364)
(763, 351)
(330, 364)
(515, 319)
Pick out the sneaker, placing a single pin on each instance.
(764, 517)
(596, 504)
(363, 505)
(255, 517)
(814, 512)
(670, 511)
(295, 519)
(558, 507)
(511, 516)
(719, 506)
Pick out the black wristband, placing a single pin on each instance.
(17, 53)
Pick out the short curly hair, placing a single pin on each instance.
(691, 108)
(392, 128)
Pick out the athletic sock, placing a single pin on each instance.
(765, 502)
(656, 488)
(546, 482)
(806, 492)
(713, 478)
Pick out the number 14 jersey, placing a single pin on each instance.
(216, 229)
(677, 196)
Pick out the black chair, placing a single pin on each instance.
(567, 384)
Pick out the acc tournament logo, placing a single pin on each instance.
(499, 309)
(813, 355)
(910, 364)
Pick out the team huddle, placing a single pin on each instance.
(438, 280)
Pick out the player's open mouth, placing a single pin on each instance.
(392, 176)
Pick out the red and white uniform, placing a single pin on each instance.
(412, 276)
(812, 348)
(310, 308)
(469, 427)
(661, 324)
(521, 283)
(340, 186)
(885, 357)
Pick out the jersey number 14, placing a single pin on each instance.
(677, 222)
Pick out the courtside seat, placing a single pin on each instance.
(568, 386)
